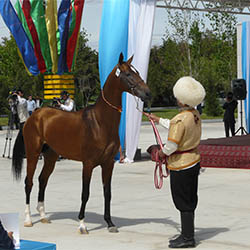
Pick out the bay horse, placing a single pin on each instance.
(89, 135)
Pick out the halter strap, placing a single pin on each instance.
(119, 109)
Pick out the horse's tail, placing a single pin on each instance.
(18, 155)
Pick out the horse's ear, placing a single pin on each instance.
(121, 59)
(130, 59)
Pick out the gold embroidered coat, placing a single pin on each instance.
(185, 131)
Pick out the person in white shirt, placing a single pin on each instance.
(69, 104)
(31, 105)
(21, 108)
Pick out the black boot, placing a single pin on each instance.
(182, 242)
(186, 239)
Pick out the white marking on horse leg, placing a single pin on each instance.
(82, 228)
(27, 220)
(41, 210)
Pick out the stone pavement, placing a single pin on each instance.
(146, 217)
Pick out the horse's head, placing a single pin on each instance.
(131, 80)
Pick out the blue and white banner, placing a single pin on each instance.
(141, 22)
(245, 60)
(114, 40)
(127, 27)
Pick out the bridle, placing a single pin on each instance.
(121, 74)
(119, 109)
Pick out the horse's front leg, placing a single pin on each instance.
(86, 178)
(107, 170)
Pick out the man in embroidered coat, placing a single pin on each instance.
(183, 157)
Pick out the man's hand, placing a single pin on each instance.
(152, 117)
(58, 105)
(161, 154)
(10, 234)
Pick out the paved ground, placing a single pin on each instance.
(145, 216)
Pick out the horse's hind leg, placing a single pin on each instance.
(107, 170)
(31, 167)
(86, 177)
(50, 158)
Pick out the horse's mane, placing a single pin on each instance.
(87, 110)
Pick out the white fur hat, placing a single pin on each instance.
(189, 91)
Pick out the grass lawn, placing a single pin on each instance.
(170, 113)
(3, 121)
(164, 113)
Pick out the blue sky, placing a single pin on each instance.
(92, 19)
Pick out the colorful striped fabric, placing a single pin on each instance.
(22, 40)
(52, 27)
(52, 34)
(74, 31)
(37, 12)
(22, 18)
(26, 7)
(64, 14)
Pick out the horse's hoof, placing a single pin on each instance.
(28, 224)
(82, 230)
(45, 220)
(113, 229)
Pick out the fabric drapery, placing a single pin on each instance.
(127, 27)
(52, 27)
(37, 13)
(64, 14)
(26, 7)
(113, 41)
(22, 18)
(141, 22)
(75, 24)
(22, 40)
(246, 66)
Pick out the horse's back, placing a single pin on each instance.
(67, 133)
(52, 123)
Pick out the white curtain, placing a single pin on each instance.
(141, 22)
(245, 63)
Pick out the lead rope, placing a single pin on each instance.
(158, 172)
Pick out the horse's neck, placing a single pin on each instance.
(113, 95)
(112, 90)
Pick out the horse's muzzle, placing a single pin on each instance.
(147, 96)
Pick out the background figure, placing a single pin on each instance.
(38, 102)
(69, 104)
(229, 121)
(31, 105)
(13, 117)
(6, 239)
(199, 108)
(21, 108)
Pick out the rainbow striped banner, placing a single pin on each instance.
(35, 25)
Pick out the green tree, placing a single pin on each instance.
(13, 74)
(191, 48)
(163, 72)
(86, 72)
